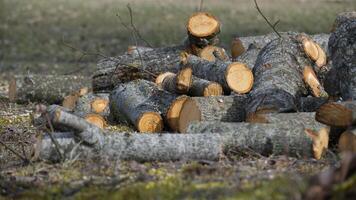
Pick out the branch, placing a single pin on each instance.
(265, 18)
(55, 142)
(24, 159)
(201, 5)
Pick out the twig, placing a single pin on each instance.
(201, 5)
(14, 152)
(54, 141)
(265, 18)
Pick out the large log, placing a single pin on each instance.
(50, 89)
(342, 50)
(292, 138)
(340, 114)
(128, 67)
(142, 103)
(278, 76)
(230, 75)
(214, 108)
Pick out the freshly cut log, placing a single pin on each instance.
(340, 114)
(96, 119)
(291, 138)
(314, 51)
(212, 53)
(342, 50)
(174, 112)
(141, 103)
(278, 76)
(128, 67)
(310, 104)
(201, 87)
(176, 83)
(266, 139)
(71, 100)
(313, 82)
(93, 104)
(237, 48)
(347, 141)
(50, 89)
(214, 108)
(202, 24)
(233, 76)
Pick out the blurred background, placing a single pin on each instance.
(33, 33)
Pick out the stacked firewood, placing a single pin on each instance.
(262, 97)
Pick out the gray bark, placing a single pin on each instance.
(249, 56)
(83, 106)
(50, 89)
(199, 85)
(310, 104)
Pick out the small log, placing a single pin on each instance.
(214, 108)
(340, 114)
(313, 82)
(204, 88)
(50, 89)
(249, 56)
(176, 83)
(347, 141)
(310, 104)
(96, 119)
(290, 138)
(128, 67)
(233, 76)
(174, 112)
(141, 103)
(342, 52)
(237, 48)
(212, 53)
(71, 100)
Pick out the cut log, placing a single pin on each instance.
(312, 81)
(340, 114)
(93, 103)
(201, 87)
(342, 50)
(278, 76)
(237, 48)
(347, 141)
(96, 119)
(212, 53)
(174, 112)
(50, 89)
(125, 68)
(233, 76)
(203, 24)
(249, 56)
(310, 104)
(176, 83)
(305, 118)
(216, 108)
(290, 138)
(141, 103)
(71, 100)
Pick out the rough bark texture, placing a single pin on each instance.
(215, 108)
(342, 50)
(84, 105)
(50, 89)
(127, 67)
(278, 76)
(129, 101)
(249, 56)
(310, 104)
(200, 88)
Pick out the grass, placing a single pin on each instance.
(33, 31)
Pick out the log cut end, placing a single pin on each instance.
(237, 48)
(320, 141)
(239, 78)
(212, 53)
(312, 81)
(333, 114)
(190, 112)
(99, 105)
(150, 122)
(96, 120)
(184, 79)
(310, 48)
(213, 89)
(71, 100)
(322, 59)
(160, 78)
(174, 112)
(203, 24)
(347, 141)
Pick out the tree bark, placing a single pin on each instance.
(50, 89)
(204, 88)
(305, 118)
(128, 67)
(310, 104)
(249, 56)
(230, 75)
(141, 103)
(214, 108)
(342, 50)
(278, 76)
(292, 138)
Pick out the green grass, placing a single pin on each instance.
(32, 31)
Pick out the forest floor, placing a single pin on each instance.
(34, 38)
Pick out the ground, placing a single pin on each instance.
(34, 38)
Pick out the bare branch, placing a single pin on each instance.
(265, 18)
(55, 142)
(24, 159)
(201, 5)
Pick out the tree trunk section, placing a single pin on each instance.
(340, 114)
(204, 88)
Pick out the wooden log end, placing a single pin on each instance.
(83, 91)
(174, 112)
(347, 141)
(70, 101)
(190, 112)
(212, 53)
(237, 48)
(99, 105)
(333, 114)
(310, 48)
(184, 79)
(203, 24)
(96, 119)
(239, 78)
(160, 78)
(312, 81)
(150, 122)
(320, 141)
(322, 59)
(213, 89)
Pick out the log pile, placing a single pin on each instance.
(268, 96)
